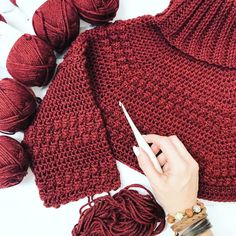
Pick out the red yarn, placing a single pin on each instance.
(192, 27)
(97, 11)
(165, 90)
(17, 105)
(127, 213)
(57, 23)
(31, 61)
(14, 2)
(13, 162)
(2, 18)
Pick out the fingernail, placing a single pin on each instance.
(136, 150)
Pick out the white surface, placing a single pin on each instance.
(22, 212)
(17, 19)
(8, 37)
(6, 6)
(29, 7)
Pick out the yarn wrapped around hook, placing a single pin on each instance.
(127, 213)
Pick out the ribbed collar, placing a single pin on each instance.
(204, 29)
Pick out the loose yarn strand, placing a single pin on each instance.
(127, 213)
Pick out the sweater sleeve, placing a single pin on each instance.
(71, 157)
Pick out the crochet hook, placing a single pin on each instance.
(141, 141)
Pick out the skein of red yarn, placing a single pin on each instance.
(13, 162)
(127, 213)
(17, 106)
(97, 11)
(2, 18)
(31, 61)
(57, 22)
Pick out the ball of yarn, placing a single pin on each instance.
(57, 22)
(127, 213)
(13, 162)
(97, 11)
(2, 18)
(17, 106)
(31, 61)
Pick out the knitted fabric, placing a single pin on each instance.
(175, 73)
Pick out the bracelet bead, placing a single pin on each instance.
(197, 208)
(201, 204)
(189, 212)
(179, 216)
(170, 219)
(181, 225)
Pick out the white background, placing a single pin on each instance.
(22, 212)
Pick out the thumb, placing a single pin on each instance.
(147, 166)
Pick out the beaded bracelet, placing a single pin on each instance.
(188, 213)
(189, 217)
(186, 222)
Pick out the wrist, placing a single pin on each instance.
(192, 219)
(187, 210)
(181, 207)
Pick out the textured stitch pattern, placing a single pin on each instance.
(166, 89)
(205, 29)
(71, 156)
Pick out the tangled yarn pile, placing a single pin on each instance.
(127, 213)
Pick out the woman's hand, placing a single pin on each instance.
(176, 188)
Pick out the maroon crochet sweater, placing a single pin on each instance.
(175, 73)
